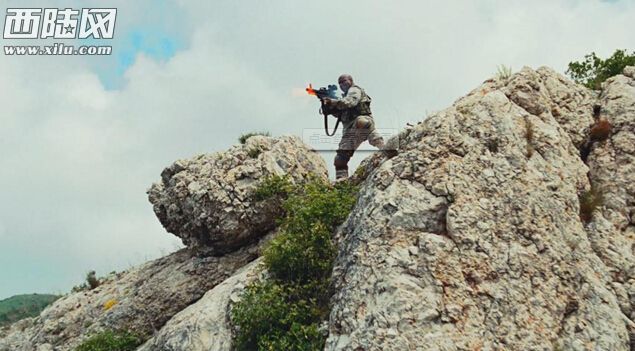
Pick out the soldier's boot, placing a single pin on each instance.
(378, 143)
(341, 174)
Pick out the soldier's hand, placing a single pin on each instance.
(327, 101)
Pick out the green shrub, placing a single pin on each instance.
(592, 71)
(273, 186)
(301, 257)
(111, 341)
(284, 312)
(589, 201)
(243, 138)
(298, 338)
(268, 312)
(304, 250)
(318, 201)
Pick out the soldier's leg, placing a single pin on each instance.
(344, 153)
(352, 137)
(374, 138)
(367, 125)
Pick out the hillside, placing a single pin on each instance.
(18, 307)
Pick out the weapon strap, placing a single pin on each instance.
(326, 125)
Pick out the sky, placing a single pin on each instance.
(83, 137)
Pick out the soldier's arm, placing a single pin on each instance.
(337, 114)
(353, 97)
(329, 108)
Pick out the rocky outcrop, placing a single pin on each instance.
(208, 201)
(142, 300)
(205, 325)
(470, 239)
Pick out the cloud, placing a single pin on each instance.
(83, 137)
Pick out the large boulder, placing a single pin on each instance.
(208, 201)
(471, 238)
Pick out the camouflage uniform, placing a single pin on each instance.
(354, 111)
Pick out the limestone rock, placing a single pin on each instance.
(205, 325)
(208, 201)
(470, 239)
(545, 92)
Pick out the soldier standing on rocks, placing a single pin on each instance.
(353, 109)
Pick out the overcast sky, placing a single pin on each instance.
(82, 138)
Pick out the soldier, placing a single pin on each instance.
(353, 109)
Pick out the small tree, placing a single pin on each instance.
(592, 71)
(91, 279)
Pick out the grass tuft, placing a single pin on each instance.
(590, 201)
(503, 72)
(529, 136)
(111, 341)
